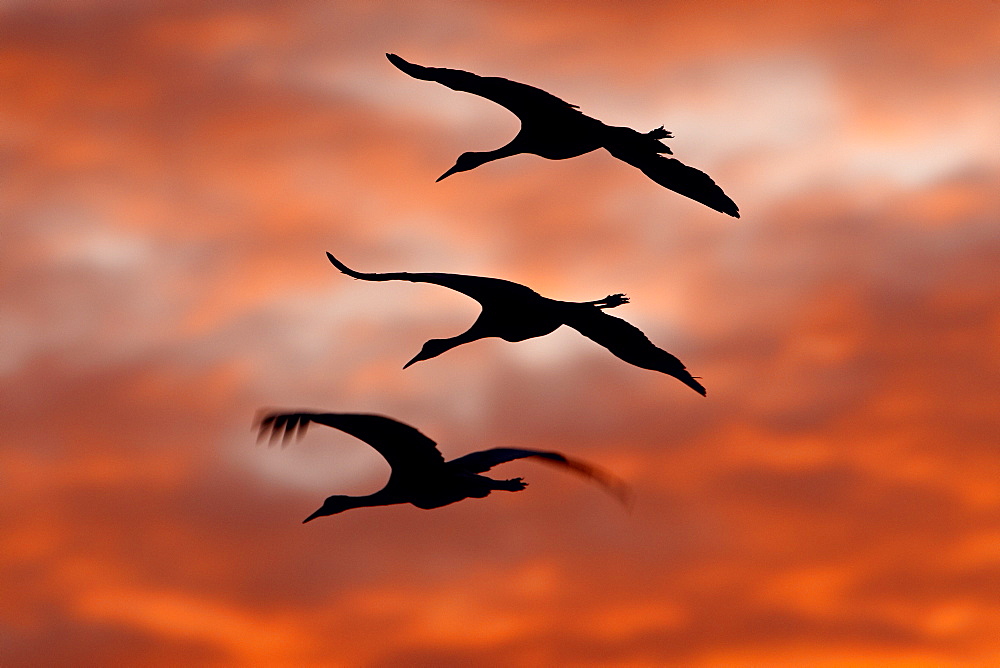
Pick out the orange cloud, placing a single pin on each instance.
(174, 178)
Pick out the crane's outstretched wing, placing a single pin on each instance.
(521, 99)
(675, 175)
(628, 343)
(405, 448)
(483, 289)
(480, 462)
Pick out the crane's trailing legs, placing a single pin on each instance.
(512, 485)
(660, 133)
(610, 301)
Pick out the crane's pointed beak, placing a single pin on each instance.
(447, 174)
(412, 361)
(318, 513)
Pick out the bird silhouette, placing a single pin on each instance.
(555, 129)
(420, 475)
(514, 312)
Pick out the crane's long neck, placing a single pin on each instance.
(468, 336)
(473, 159)
(379, 498)
(340, 503)
(512, 148)
(435, 347)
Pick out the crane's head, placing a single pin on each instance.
(332, 506)
(465, 162)
(432, 348)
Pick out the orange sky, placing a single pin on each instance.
(173, 173)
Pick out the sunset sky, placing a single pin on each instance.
(173, 173)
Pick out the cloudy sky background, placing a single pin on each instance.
(174, 172)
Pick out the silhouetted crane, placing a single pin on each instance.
(514, 312)
(555, 129)
(420, 475)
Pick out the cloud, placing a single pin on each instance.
(177, 176)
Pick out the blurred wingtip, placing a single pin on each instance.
(614, 485)
(272, 425)
(262, 418)
(625, 497)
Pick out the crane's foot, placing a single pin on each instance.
(657, 134)
(660, 133)
(512, 485)
(611, 301)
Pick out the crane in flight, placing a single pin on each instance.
(420, 475)
(554, 129)
(514, 312)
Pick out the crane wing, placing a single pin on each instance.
(675, 175)
(627, 342)
(483, 289)
(480, 462)
(521, 99)
(403, 446)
